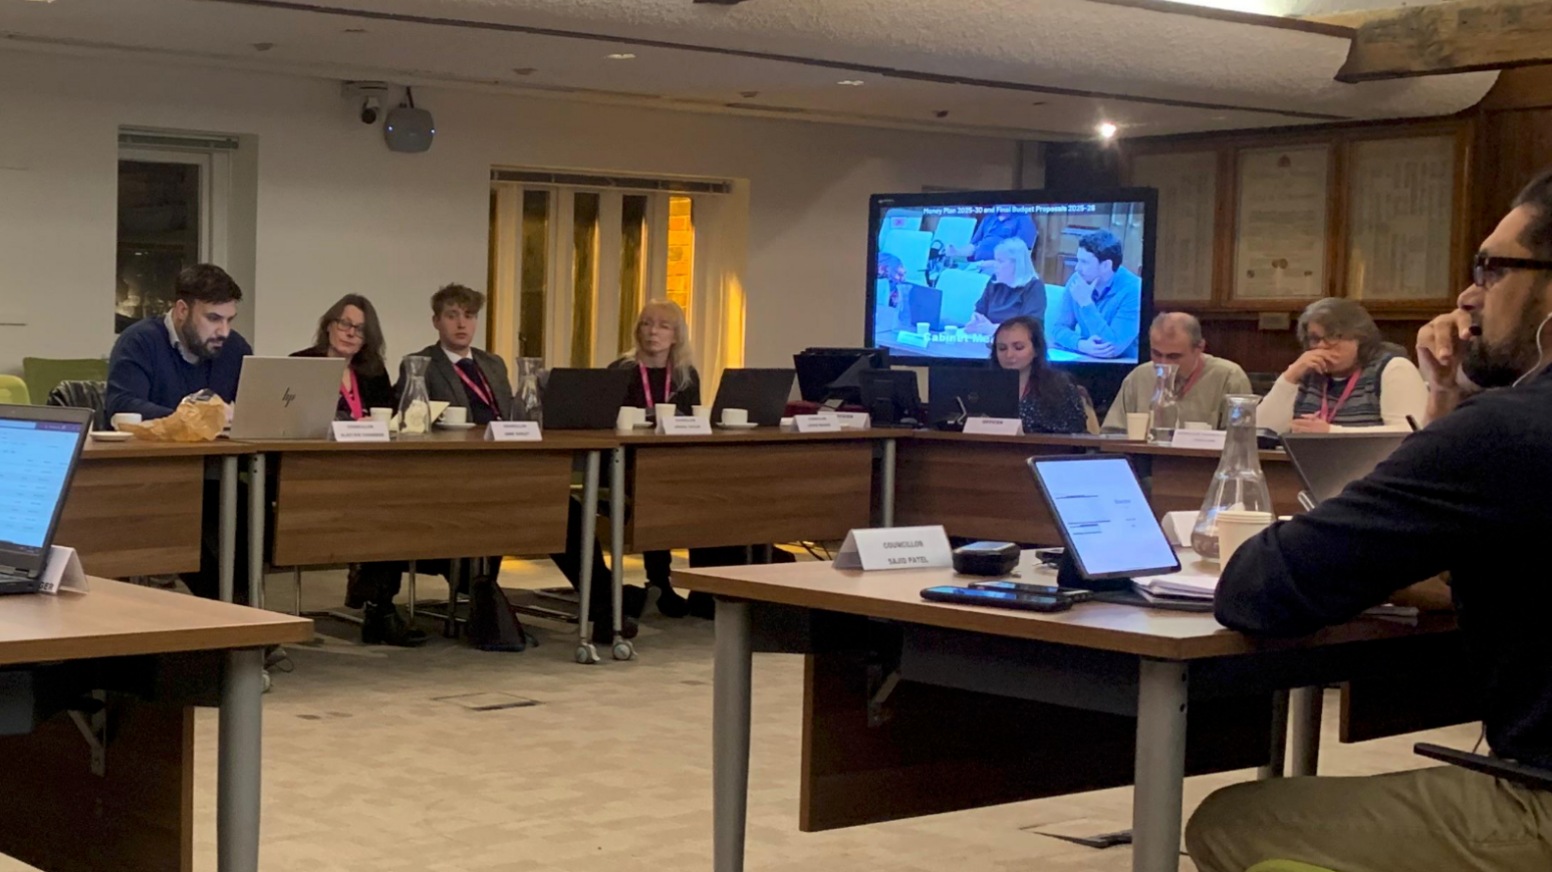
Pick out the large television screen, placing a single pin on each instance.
(945, 269)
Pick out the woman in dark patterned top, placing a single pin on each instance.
(1049, 401)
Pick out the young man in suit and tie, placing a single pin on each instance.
(475, 379)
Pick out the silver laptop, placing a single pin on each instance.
(1329, 462)
(287, 397)
(39, 447)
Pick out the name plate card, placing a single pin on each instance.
(359, 431)
(994, 426)
(895, 548)
(62, 571)
(915, 340)
(683, 425)
(512, 431)
(817, 423)
(1207, 439)
(852, 420)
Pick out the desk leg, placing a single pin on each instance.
(586, 653)
(228, 527)
(1304, 705)
(887, 484)
(1161, 766)
(256, 507)
(623, 649)
(238, 765)
(1277, 763)
(730, 736)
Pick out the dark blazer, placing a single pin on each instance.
(376, 390)
(443, 384)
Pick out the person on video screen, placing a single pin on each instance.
(991, 231)
(1015, 289)
(1100, 312)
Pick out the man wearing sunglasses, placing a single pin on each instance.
(1468, 496)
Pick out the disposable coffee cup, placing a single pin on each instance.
(123, 418)
(629, 417)
(735, 417)
(1196, 425)
(455, 415)
(381, 413)
(1236, 527)
(1137, 426)
(702, 412)
(923, 327)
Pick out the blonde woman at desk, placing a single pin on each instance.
(1015, 289)
(1346, 379)
(1049, 401)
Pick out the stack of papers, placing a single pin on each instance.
(1190, 582)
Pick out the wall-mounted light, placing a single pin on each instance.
(622, 56)
(1107, 131)
(850, 82)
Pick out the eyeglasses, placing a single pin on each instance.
(1312, 341)
(1487, 271)
(350, 326)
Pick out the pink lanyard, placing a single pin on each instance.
(486, 395)
(1330, 416)
(646, 389)
(352, 397)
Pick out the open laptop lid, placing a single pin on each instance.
(584, 399)
(1105, 521)
(763, 392)
(39, 449)
(287, 397)
(1329, 462)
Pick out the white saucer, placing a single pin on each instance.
(111, 436)
(449, 426)
(749, 426)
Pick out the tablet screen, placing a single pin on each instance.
(1105, 519)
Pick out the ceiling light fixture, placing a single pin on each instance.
(1106, 130)
(851, 82)
(622, 56)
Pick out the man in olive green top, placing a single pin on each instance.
(1201, 381)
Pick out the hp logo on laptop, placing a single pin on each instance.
(286, 397)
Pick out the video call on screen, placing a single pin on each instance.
(945, 276)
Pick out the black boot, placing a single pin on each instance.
(382, 625)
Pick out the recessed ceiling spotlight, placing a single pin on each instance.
(1106, 130)
(850, 82)
(622, 56)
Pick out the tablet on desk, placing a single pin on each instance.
(1105, 521)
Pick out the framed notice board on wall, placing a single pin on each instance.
(1188, 194)
(1400, 215)
(1280, 233)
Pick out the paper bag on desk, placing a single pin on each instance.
(198, 418)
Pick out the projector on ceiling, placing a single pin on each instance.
(409, 129)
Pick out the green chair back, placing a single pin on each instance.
(1285, 866)
(44, 373)
(13, 391)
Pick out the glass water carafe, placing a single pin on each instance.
(1163, 411)
(1239, 483)
(525, 405)
(414, 403)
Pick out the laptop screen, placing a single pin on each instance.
(1104, 517)
(37, 457)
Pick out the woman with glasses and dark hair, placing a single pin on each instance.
(1049, 401)
(1348, 377)
(350, 330)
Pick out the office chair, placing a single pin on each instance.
(13, 391)
(80, 394)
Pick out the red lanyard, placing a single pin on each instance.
(646, 389)
(1328, 417)
(1191, 382)
(352, 396)
(482, 390)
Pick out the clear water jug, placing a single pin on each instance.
(1163, 411)
(1239, 482)
(414, 403)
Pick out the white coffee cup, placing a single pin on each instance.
(1196, 425)
(1236, 527)
(923, 327)
(1137, 426)
(735, 417)
(123, 418)
(455, 415)
(788, 424)
(703, 412)
(381, 413)
(628, 417)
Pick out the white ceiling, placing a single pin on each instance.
(1044, 69)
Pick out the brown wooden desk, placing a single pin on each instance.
(148, 656)
(135, 508)
(933, 711)
(447, 494)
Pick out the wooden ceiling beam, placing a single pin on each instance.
(1456, 36)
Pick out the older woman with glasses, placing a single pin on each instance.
(1348, 378)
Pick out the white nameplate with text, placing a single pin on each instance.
(1207, 439)
(513, 431)
(895, 548)
(683, 425)
(915, 340)
(817, 423)
(359, 431)
(853, 420)
(62, 571)
(994, 426)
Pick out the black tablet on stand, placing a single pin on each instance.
(1108, 528)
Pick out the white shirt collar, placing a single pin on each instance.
(189, 357)
(454, 356)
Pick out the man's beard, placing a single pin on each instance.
(1496, 365)
(194, 344)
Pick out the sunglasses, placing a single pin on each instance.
(1487, 271)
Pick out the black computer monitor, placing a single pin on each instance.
(820, 368)
(890, 396)
(957, 393)
(761, 392)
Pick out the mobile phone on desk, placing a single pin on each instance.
(999, 599)
(1077, 595)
